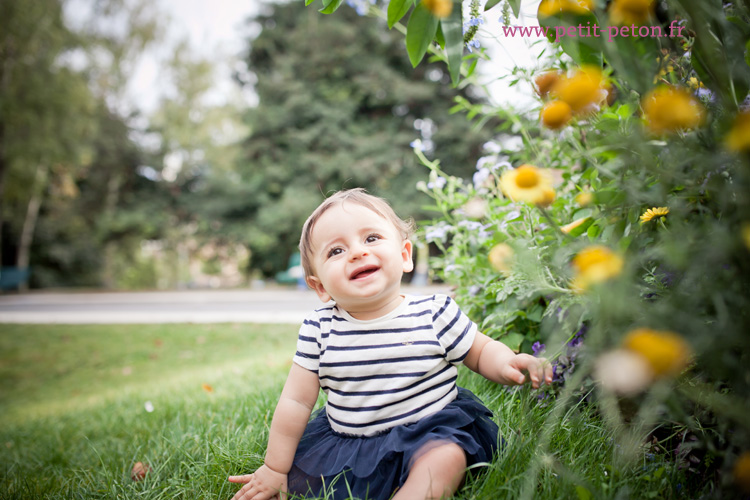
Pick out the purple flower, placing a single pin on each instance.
(538, 348)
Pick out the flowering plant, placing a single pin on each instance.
(620, 205)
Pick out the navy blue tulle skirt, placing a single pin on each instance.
(373, 467)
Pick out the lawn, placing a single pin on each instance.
(82, 404)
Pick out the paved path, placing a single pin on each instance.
(277, 305)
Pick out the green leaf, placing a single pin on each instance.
(330, 6)
(593, 232)
(512, 340)
(578, 231)
(454, 43)
(583, 493)
(747, 52)
(472, 68)
(398, 9)
(439, 38)
(490, 4)
(535, 313)
(419, 33)
(515, 5)
(308, 2)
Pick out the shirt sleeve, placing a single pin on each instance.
(308, 344)
(454, 330)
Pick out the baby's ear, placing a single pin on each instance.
(406, 251)
(314, 283)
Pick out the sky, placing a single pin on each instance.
(215, 29)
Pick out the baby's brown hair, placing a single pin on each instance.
(358, 196)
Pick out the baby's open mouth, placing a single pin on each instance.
(363, 272)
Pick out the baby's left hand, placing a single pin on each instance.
(539, 370)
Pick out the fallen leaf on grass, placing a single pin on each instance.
(139, 471)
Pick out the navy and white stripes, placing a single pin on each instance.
(389, 371)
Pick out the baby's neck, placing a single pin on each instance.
(365, 313)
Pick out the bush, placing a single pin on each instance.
(621, 210)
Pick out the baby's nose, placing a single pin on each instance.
(358, 252)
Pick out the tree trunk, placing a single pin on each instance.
(3, 167)
(29, 223)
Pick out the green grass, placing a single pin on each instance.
(74, 421)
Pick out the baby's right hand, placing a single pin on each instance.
(263, 484)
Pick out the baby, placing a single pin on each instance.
(395, 424)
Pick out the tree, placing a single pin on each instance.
(338, 107)
(45, 111)
(59, 105)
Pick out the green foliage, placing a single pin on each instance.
(327, 119)
(70, 191)
(684, 271)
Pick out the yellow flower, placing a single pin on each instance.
(439, 8)
(631, 11)
(555, 114)
(745, 234)
(584, 90)
(545, 81)
(668, 109)
(567, 228)
(548, 196)
(501, 257)
(584, 198)
(738, 138)
(528, 183)
(741, 472)
(595, 264)
(694, 83)
(653, 213)
(666, 352)
(551, 7)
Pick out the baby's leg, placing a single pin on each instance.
(436, 474)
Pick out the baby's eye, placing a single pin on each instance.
(334, 251)
(372, 238)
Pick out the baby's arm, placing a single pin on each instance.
(496, 362)
(289, 421)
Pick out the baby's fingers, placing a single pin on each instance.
(547, 371)
(513, 375)
(245, 478)
(540, 372)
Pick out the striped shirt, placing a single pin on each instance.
(388, 371)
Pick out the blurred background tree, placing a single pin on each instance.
(330, 118)
(45, 113)
(66, 152)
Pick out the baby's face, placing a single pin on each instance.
(359, 258)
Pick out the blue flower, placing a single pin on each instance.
(473, 43)
(438, 184)
(360, 6)
(471, 225)
(437, 233)
(480, 176)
